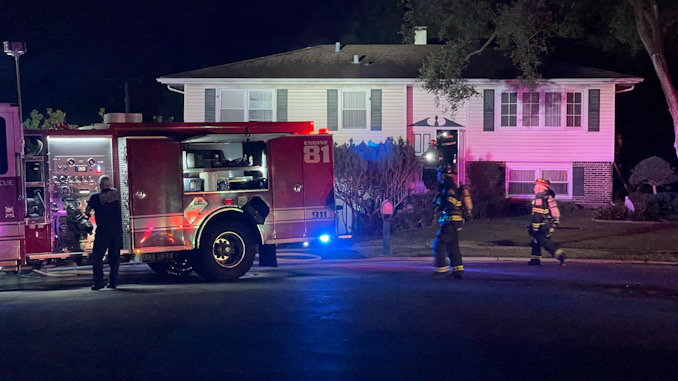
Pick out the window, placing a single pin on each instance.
(521, 180)
(541, 109)
(261, 106)
(244, 106)
(530, 108)
(232, 106)
(552, 104)
(509, 109)
(574, 109)
(354, 109)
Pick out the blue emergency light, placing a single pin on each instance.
(325, 239)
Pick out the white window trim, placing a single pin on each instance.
(246, 102)
(539, 168)
(542, 109)
(368, 106)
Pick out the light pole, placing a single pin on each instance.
(16, 50)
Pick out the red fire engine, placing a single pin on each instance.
(194, 195)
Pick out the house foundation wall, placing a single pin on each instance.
(597, 183)
(597, 186)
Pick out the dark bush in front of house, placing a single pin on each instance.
(487, 189)
(621, 212)
(417, 212)
(663, 203)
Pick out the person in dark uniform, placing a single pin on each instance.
(108, 236)
(451, 202)
(545, 217)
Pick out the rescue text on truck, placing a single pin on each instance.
(195, 195)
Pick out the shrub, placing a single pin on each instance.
(487, 189)
(663, 203)
(368, 174)
(620, 213)
(417, 212)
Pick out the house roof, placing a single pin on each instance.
(380, 61)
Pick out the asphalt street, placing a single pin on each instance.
(380, 318)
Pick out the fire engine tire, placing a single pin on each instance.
(172, 270)
(226, 252)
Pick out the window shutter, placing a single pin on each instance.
(281, 106)
(488, 110)
(332, 109)
(210, 105)
(375, 97)
(594, 110)
(578, 181)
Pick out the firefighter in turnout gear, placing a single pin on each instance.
(108, 236)
(545, 217)
(453, 203)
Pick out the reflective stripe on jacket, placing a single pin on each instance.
(449, 205)
(544, 211)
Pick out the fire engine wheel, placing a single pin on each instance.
(172, 270)
(226, 252)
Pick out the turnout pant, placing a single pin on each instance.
(445, 244)
(112, 243)
(541, 238)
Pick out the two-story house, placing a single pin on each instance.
(563, 130)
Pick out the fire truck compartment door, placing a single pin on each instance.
(303, 183)
(287, 183)
(11, 197)
(155, 193)
(318, 185)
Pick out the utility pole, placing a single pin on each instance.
(16, 50)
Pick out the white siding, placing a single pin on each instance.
(194, 103)
(309, 103)
(427, 105)
(522, 144)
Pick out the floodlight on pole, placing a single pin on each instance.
(16, 50)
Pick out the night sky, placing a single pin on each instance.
(80, 54)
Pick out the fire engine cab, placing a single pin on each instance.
(194, 196)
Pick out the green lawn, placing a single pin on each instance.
(507, 237)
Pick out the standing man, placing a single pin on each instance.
(451, 202)
(106, 206)
(545, 216)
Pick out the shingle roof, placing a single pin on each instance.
(378, 61)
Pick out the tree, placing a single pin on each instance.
(653, 171)
(637, 25)
(368, 174)
(36, 120)
(520, 28)
(523, 29)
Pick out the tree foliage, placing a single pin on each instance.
(649, 25)
(36, 120)
(523, 29)
(520, 28)
(653, 171)
(368, 174)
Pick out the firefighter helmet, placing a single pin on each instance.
(543, 182)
